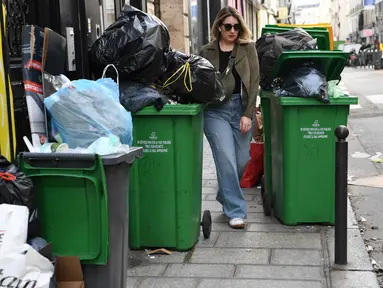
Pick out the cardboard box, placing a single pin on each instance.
(69, 273)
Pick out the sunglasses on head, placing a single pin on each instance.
(228, 27)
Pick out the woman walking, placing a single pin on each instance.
(227, 127)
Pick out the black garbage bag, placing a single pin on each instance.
(134, 96)
(15, 187)
(135, 44)
(271, 46)
(303, 82)
(191, 79)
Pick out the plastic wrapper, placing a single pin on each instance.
(88, 110)
(271, 46)
(134, 96)
(15, 187)
(303, 82)
(192, 79)
(135, 44)
(334, 90)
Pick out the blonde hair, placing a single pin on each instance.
(245, 35)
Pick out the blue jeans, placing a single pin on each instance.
(231, 152)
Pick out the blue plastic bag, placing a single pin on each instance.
(88, 110)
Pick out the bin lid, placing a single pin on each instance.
(319, 25)
(172, 109)
(330, 63)
(114, 159)
(319, 33)
(301, 101)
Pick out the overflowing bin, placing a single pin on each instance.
(299, 180)
(82, 204)
(166, 184)
(319, 33)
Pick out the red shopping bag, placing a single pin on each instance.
(254, 168)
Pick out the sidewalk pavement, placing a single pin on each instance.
(266, 255)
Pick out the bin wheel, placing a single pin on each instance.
(266, 202)
(262, 185)
(206, 224)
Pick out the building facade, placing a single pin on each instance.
(314, 12)
(189, 21)
(366, 21)
(341, 23)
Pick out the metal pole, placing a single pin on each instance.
(341, 163)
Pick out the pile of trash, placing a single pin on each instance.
(304, 79)
(21, 247)
(138, 45)
(147, 72)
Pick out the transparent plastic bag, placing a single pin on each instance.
(334, 90)
(87, 110)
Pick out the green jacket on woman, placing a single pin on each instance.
(246, 64)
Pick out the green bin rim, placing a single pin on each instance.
(172, 109)
(290, 28)
(331, 63)
(300, 101)
(313, 32)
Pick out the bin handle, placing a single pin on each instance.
(106, 69)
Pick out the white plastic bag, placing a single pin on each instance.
(22, 266)
(13, 226)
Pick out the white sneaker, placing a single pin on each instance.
(237, 223)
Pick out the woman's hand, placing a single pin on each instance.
(245, 124)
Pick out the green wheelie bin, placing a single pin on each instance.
(321, 34)
(82, 202)
(166, 184)
(302, 144)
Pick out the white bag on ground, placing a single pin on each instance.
(22, 266)
(13, 226)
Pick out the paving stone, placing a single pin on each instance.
(224, 227)
(209, 176)
(200, 270)
(230, 256)
(218, 217)
(353, 279)
(296, 257)
(211, 197)
(214, 283)
(202, 242)
(211, 183)
(169, 283)
(209, 190)
(147, 270)
(141, 257)
(269, 240)
(215, 206)
(209, 169)
(279, 272)
(358, 258)
(260, 227)
(132, 282)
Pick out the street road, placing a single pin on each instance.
(366, 141)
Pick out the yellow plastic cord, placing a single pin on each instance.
(183, 70)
